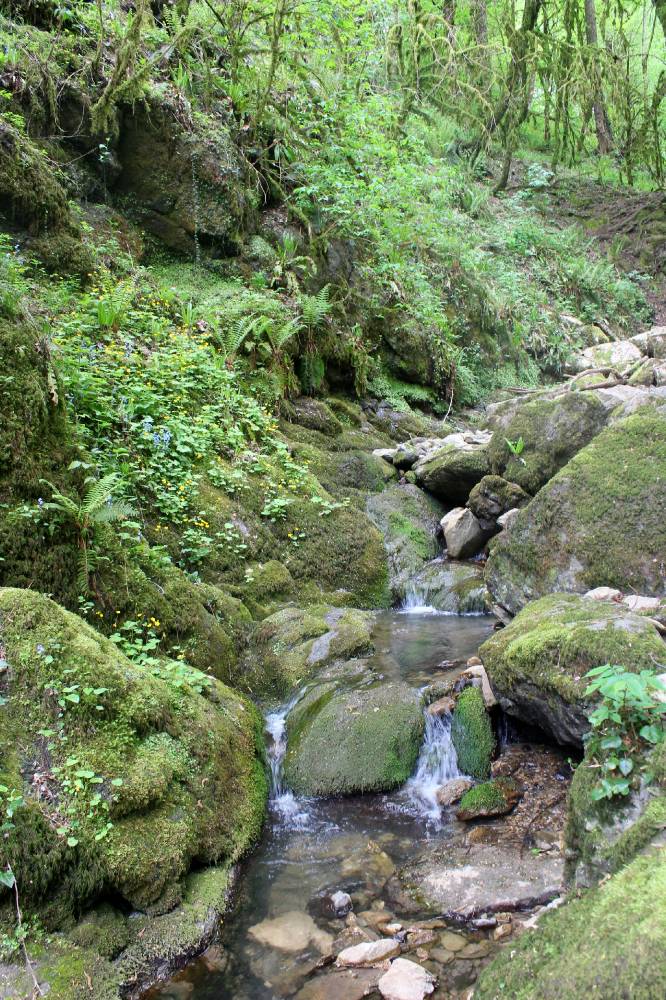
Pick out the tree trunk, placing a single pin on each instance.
(601, 122)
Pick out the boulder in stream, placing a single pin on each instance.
(463, 533)
(347, 741)
(493, 497)
(491, 798)
(552, 431)
(536, 664)
(407, 518)
(448, 585)
(450, 473)
(462, 884)
(472, 734)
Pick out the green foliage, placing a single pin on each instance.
(628, 723)
(97, 508)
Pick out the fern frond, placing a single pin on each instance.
(113, 512)
(99, 493)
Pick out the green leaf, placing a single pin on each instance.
(7, 879)
(72, 841)
(626, 765)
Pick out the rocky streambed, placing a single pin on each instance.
(340, 886)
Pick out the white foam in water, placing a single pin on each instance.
(292, 810)
(415, 604)
(436, 765)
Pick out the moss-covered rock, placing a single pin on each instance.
(452, 472)
(598, 522)
(313, 414)
(407, 519)
(552, 431)
(494, 496)
(607, 944)
(188, 767)
(472, 734)
(347, 473)
(603, 836)
(490, 798)
(31, 190)
(342, 742)
(293, 643)
(536, 664)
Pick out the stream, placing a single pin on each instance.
(312, 847)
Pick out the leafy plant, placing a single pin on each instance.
(628, 723)
(87, 515)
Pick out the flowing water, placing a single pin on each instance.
(314, 846)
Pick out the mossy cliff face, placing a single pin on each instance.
(342, 742)
(598, 522)
(188, 183)
(190, 781)
(552, 430)
(536, 664)
(609, 943)
(35, 443)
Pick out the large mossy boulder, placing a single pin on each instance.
(472, 734)
(171, 758)
(599, 522)
(450, 473)
(343, 742)
(292, 644)
(552, 432)
(408, 519)
(609, 943)
(536, 665)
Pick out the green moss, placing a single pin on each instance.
(486, 796)
(353, 741)
(293, 643)
(194, 784)
(552, 430)
(539, 659)
(422, 541)
(104, 931)
(602, 837)
(452, 472)
(607, 944)
(472, 734)
(569, 537)
(30, 190)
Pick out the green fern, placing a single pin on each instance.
(96, 508)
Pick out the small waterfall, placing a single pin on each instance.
(436, 765)
(290, 809)
(416, 601)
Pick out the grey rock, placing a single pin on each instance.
(463, 534)
(406, 980)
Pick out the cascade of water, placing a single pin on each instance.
(290, 809)
(416, 601)
(436, 765)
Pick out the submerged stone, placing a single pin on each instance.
(292, 932)
(406, 980)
